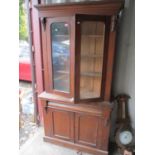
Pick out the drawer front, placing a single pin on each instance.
(59, 124)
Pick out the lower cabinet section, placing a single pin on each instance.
(81, 131)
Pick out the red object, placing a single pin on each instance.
(25, 71)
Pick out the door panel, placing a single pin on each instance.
(60, 124)
(88, 130)
(88, 134)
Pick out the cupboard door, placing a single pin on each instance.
(89, 130)
(60, 123)
(91, 56)
(60, 46)
(92, 48)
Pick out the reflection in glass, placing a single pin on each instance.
(60, 56)
(92, 48)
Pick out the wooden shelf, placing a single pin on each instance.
(88, 94)
(91, 74)
(63, 72)
(61, 35)
(92, 56)
(92, 36)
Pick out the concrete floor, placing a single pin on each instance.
(36, 146)
(27, 125)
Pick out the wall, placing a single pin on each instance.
(124, 66)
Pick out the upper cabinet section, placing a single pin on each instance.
(78, 42)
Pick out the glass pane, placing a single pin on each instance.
(92, 48)
(61, 56)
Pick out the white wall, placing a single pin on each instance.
(124, 66)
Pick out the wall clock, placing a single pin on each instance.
(124, 135)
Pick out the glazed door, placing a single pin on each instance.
(91, 36)
(60, 56)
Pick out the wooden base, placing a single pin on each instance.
(78, 147)
(78, 126)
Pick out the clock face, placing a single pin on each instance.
(125, 137)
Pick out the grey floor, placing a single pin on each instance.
(36, 146)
